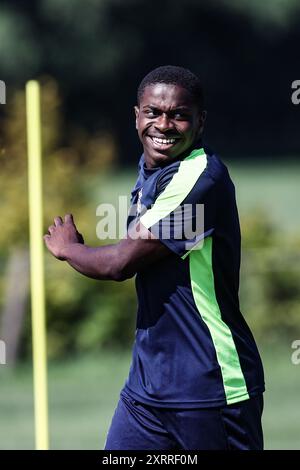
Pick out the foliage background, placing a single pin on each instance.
(89, 57)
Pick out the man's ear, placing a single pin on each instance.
(137, 112)
(202, 118)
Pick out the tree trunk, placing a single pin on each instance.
(15, 301)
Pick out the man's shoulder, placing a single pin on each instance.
(215, 167)
(206, 166)
(165, 175)
(211, 167)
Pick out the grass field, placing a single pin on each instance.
(84, 392)
(273, 187)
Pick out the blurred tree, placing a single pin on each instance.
(86, 315)
(20, 51)
(278, 12)
(99, 51)
(15, 301)
(68, 172)
(270, 279)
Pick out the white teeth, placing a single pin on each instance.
(159, 141)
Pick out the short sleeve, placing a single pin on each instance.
(183, 213)
(139, 180)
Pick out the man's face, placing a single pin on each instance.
(168, 122)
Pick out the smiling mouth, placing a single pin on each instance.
(163, 143)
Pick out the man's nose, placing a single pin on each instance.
(164, 123)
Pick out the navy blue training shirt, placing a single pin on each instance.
(193, 348)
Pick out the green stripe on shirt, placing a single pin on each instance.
(177, 190)
(202, 281)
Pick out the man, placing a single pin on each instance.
(196, 379)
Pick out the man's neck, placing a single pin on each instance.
(151, 163)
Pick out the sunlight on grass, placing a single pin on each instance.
(84, 392)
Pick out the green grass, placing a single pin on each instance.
(84, 392)
(82, 397)
(273, 187)
(282, 411)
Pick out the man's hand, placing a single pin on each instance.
(61, 235)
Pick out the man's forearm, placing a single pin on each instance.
(98, 263)
(111, 262)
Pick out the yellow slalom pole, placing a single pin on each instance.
(37, 264)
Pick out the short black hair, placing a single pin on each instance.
(174, 75)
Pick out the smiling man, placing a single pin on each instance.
(196, 378)
(169, 121)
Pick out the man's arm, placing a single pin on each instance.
(111, 262)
